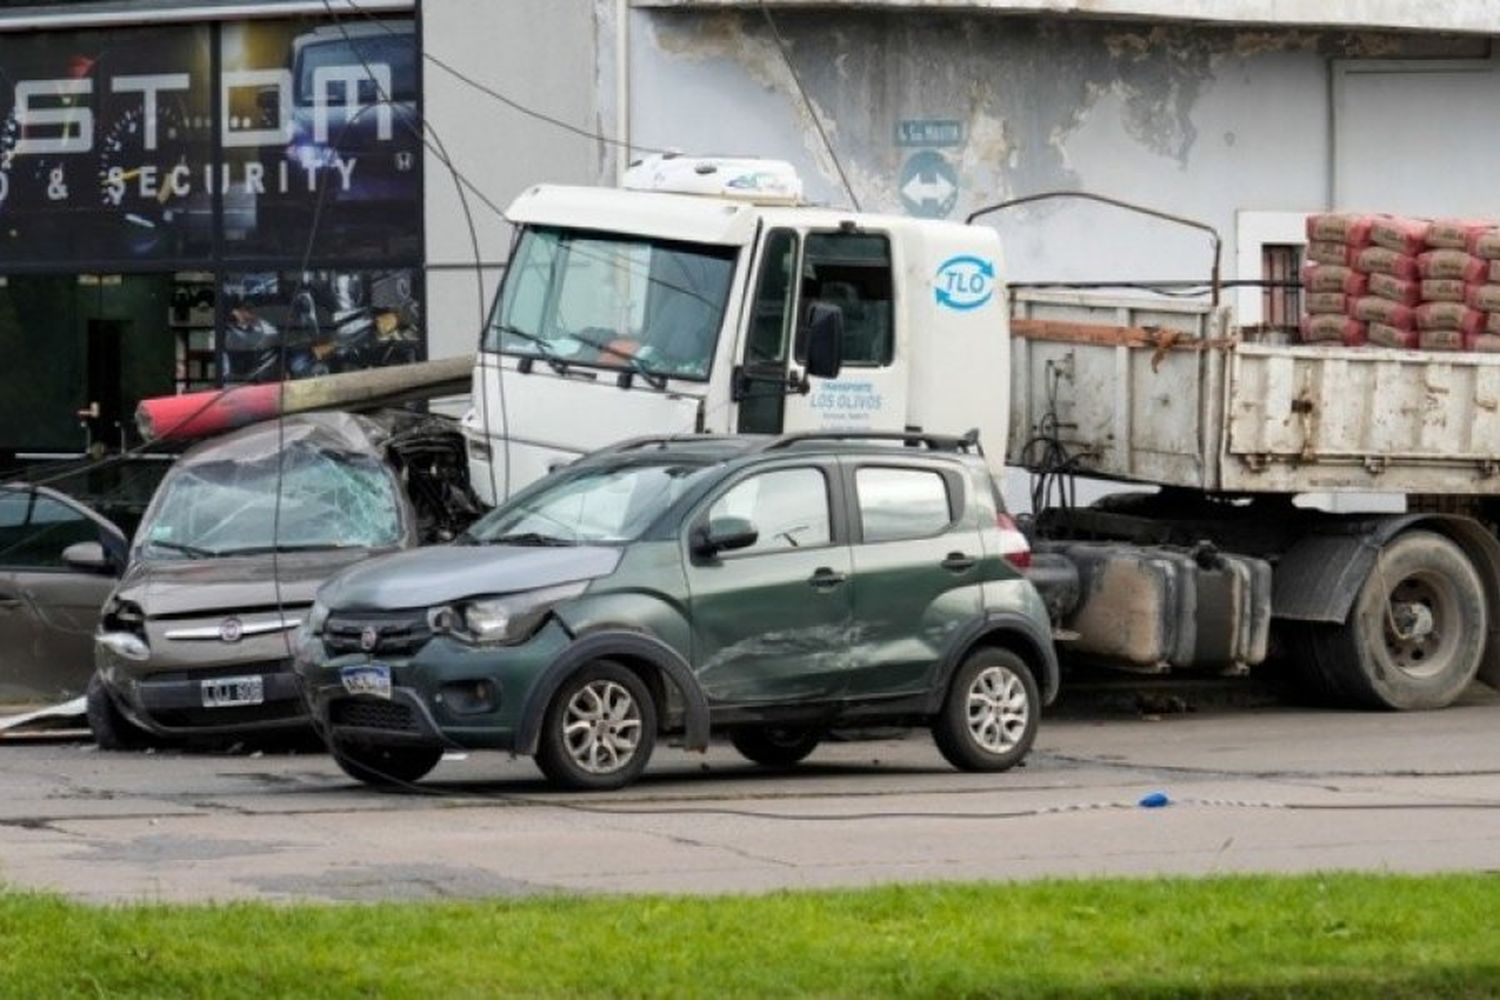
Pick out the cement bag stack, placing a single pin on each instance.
(1404, 282)
(1333, 283)
(1484, 245)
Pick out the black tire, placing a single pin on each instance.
(1415, 636)
(961, 741)
(112, 731)
(386, 766)
(614, 695)
(775, 746)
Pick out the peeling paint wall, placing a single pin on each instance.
(1197, 121)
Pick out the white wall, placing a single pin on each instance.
(542, 54)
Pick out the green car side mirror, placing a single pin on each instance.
(724, 534)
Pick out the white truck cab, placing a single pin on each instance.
(687, 302)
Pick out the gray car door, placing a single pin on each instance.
(48, 610)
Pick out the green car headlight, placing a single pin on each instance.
(509, 619)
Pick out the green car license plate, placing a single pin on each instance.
(368, 679)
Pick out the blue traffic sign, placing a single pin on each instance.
(929, 185)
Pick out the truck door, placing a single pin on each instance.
(848, 269)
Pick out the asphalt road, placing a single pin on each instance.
(1261, 789)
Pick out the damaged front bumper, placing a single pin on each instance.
(445, 693)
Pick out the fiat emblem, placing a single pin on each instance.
(231, 630)
(369, 638)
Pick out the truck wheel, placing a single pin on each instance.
(385, 766)
(599, 730)
(989, 719)
(775, 746)
(112, 731)
(1416, 634)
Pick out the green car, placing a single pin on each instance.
(769, 589)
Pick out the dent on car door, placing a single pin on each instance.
(916, 570)
(771, 621)
(48, 609)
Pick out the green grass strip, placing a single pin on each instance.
(1334, 935)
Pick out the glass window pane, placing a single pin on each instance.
(789, 508)
(38, 542)
(771, 312)
(902, 503)
(608, 301)
(853, 271)
(609, 504)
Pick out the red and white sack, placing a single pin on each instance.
(1494, 275)
(1485, 343)
(1334, 278)
(1335, 254)
(1380, 260)
(1452, 264)
(1492, 323)
(1485, 244)
(1402, 290)
(1319, 303)
(1485, 298)
(1373, 309)
(1445, 290)
(1332, 329)
(1455, 234)
(1441, 340)
(1348, 228)
(1401, 234)
(1390, 336)
(1450, 316)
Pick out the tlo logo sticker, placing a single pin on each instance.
(964, 282)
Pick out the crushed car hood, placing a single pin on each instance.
(190, 586)
(425, 577)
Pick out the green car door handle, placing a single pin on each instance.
(958, 562)
(824, 578)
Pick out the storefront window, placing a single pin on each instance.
(106, 147)
(192, 205)
(321, 128)
(294, 325)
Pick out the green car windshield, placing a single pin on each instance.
(602, 504)
(612, 301)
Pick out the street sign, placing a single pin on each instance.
(929, 132)
(929, 185)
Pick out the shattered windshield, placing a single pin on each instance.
(612, 301)
(601, 504)
(328, 501)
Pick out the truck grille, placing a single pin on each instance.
(369, 714)
(396, 632)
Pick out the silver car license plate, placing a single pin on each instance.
(368, 678)
(228, 692)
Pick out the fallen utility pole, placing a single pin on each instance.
(203, 414)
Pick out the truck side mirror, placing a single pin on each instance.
(724, 534)
(825, 340)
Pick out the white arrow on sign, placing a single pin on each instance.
(919, 189)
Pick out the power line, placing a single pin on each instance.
(812, 110)
(504, 99)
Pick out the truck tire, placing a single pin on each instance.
(1415, 636)
(989, 718)
(112, 731)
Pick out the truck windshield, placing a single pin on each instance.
(591, 505)
(613, 301)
